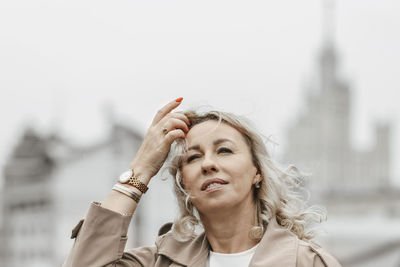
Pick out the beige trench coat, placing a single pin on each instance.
(100, 241)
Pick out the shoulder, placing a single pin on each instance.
(147, 255)
(168, 247)
(311, 254)
(170, 243)
(144, 256)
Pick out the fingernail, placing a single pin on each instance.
(179, 99)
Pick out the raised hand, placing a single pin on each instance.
(167, 126)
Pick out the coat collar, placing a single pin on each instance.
(193, 252)
(278, 247)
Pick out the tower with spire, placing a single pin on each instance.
(319, 140)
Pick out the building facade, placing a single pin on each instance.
(354, 185)
(49, 185)
(319, 140)
(28, 204)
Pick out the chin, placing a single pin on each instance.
(213, 205)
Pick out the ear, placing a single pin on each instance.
(257, 178)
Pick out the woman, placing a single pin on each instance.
(225, 182)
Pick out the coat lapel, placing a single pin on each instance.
(278, 247)
(187, 253)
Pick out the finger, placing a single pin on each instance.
(174, 134)
(179, 115)
(172, 123)
(166, 109)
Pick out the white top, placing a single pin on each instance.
(241, 259)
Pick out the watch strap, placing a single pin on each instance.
(138, 184)
(128, 178)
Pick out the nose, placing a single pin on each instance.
(208, 165)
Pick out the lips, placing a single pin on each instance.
(211, 181)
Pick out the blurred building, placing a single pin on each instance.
(354, 185)
(319, 140)
(49, 185)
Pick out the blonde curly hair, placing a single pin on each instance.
(279, 196)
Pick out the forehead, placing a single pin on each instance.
(208, 131)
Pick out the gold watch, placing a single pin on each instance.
(128, 177)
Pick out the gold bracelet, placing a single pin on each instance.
(127, 188)
(126, 191)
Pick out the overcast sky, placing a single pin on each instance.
(62, 61)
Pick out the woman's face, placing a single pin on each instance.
(218, 170)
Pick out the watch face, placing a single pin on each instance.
(125, 176)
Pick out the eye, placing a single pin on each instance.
(192, 157)
(224, 150)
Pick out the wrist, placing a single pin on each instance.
(128, 191)
(131, 178)
(141, 173)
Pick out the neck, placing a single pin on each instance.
(228, 230)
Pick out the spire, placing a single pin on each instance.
(328, 24)
(327, 57)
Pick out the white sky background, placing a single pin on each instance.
(60, 61)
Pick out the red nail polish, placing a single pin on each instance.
(179, 99)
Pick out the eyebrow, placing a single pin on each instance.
(215, 143)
